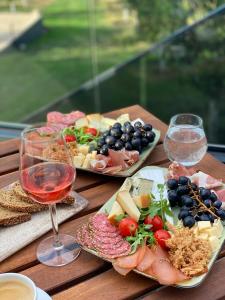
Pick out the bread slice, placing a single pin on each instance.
(8, 217)
(9, 200)
(19, 192)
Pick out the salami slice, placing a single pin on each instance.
(56, 117)
(100, 221)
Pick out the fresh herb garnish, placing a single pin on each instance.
(81, 136)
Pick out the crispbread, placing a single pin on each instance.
(19, 192)
(9, 200)
(8, 217)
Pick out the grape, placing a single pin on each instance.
(116, 132)
(172, 184)
(127, 123)
(194, 186)
(144, 142)
(189, 221)
(128, 146)
(208, 203)
(125, 137)
(183, 214)
(117, 125)
(129, 129)
(101, 141)
(110, 140)
(183, 180)
(205, 193)
(187, 200)
(150, 135)
(183, 190)
(173, 198)
(147, 127)
(104, 150)
(137, 124)
(204, 217)
(137, 133)
(136, 143)
(119, 145)
(213, 197)
(195, 203)
(217, 204)
(211, 218)
(221, 213)
(106, 133)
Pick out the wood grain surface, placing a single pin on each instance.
(90, 277)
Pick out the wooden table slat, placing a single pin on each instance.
(9, 147)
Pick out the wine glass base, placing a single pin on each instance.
(52, 256)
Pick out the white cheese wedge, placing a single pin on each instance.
(82, 122)
(128, 205)
(203, 225)
(123, 118)
(116, 210)
(108, 121)
(142, 201)
(86, 163)
(93, 154)
(214, 243)
(126, 186)
(219, 227)
(78, 160)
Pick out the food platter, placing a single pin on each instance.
(131, 170)
(149, 173)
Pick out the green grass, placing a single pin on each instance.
(60, 60)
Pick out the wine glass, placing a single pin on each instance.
(185, 141)
(47, 175)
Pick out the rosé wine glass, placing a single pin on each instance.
(47, 175)
(185, 141)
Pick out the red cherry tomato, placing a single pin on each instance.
(161, 236)
(91, 131)
(70, 138)
(156, 222)
(128, 226)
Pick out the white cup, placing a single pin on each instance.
(23, 279)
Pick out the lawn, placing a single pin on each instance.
(60, 60)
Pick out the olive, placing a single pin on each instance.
(116, 132)
(110, 140)
(172, 184)
(150, 135)
(147, 127)
(128, 146)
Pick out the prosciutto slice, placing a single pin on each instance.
(221, 195)
(204, 180)
(176, 170)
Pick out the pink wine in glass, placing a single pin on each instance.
(48, 182)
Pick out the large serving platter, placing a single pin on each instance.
(151, 172)
(131, 170)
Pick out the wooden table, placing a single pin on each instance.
(90, 277)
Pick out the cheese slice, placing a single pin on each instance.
(82, 122)
(214, 243)
(83, 148)
(141, 186)
(204, 225)
(86, 163)
(219, 227)
(116, 210)
(204, 236)
(126, 186)
(123, 118)
(128, 205)
(78, 160)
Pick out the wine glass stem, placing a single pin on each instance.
(55, 227)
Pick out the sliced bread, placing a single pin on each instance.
(9, 200)
(17, 189)
(8, 217)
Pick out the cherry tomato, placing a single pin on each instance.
(128, 226)
(156, 222)
(70, 138)
(91, 131)
(161, 236)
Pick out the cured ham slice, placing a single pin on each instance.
(123, 158)
(221, 195)
(176, 170)
(147, 260)
(131, 261)
(205, 180)
(163, 270)
(112, 170)
(98, 165)
(121, 271)
(56, 117)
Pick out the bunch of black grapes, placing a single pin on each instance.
(196, 203)
(126, 136)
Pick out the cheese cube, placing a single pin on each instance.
(123, 118)
(212, 231)
(93, 154)
(83, 148)
(128, 205)
(214, 243)
(203, 225)
(219, 227)
(116, 210)
(78, 160)
(204, 236)
(86, 163)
